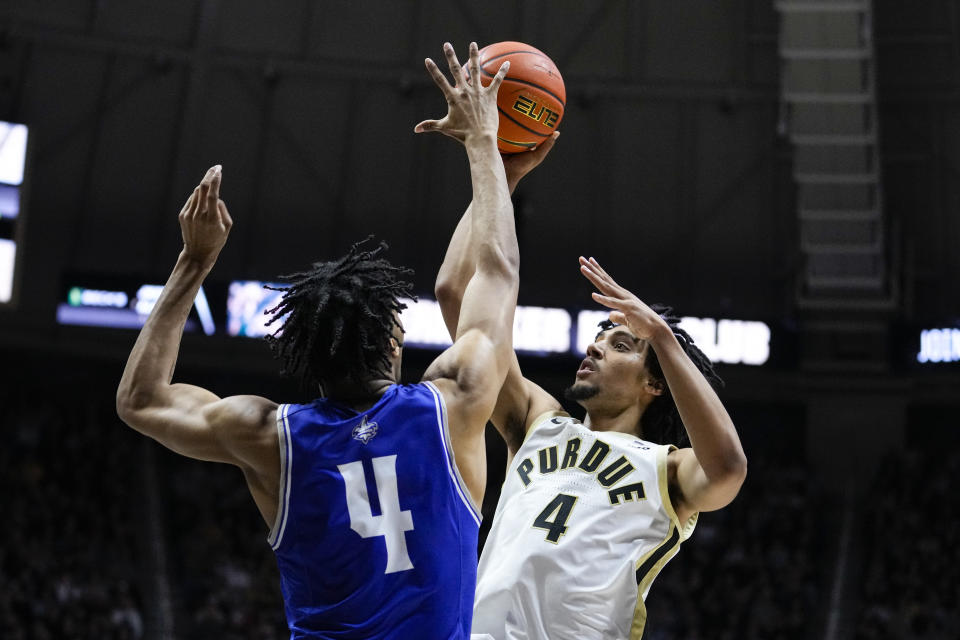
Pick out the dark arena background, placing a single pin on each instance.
(784, 173)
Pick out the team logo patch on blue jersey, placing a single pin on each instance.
(365, 431)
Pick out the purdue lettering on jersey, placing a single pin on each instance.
(608, 476)
(583, 526)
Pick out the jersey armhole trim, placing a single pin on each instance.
(685, 528)
(546, 415)
(286, 459)
(647, 568)
(451, 459)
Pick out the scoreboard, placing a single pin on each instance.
(13, 162)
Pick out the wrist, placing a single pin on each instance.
(482, 142)
(662, 335)
(192, 260)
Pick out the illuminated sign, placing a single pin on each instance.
(80, 297)
(727, 341)
(535, 329)
(423, 325)
(99, 307)
(939, 345)
(13, 160)
(730, 341)
(13, 152)
(8, 255)
(247, 303)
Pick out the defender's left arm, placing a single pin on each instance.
(188, 419)
(708, 476)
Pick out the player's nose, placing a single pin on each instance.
(594, 351)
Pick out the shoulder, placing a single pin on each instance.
(522, 405)
(243, 416)
(466, 362)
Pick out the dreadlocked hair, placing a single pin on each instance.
(661, 421)
(337, 318)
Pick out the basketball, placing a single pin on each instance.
(532, 97)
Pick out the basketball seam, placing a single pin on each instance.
(523, 145)
(529, 84)
(523, 126)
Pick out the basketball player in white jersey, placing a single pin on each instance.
(591, 512)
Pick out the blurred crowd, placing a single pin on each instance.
(911, 578)
(68, 546)
(750, 570)
(225, 581)
(74, 546)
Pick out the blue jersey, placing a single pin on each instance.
(376, 534)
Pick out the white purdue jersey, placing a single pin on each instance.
(583, 526)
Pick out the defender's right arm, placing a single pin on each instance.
(470, 373)
(520, 400)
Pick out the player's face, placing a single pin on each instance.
(614, 370)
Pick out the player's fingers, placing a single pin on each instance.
(195, 200)
(596, 267)
(494, 85)
(617, 317)
(438, 78)
(427, 125)
(205, 187)
(603, 285)
(213, 192)
(544, 147)
(225, 218)
(594, 276)
(456, 69)
(185, 209)
(474, 64)
(607, 301)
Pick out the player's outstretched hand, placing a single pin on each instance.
(471, 107)
(204, 220)
(628, 309)
(517, 165)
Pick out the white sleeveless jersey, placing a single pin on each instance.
(583, 526)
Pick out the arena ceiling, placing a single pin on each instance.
(670, 168)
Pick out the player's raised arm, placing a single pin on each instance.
(471, 372)
(187, 419)
(710, 475)
(460, 261)
(479, 359)
(518, 395)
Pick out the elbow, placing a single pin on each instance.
(735, 470)
(125, 404)
(130, 403)
(447, 290)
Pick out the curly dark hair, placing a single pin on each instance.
(338, 317)
(661, 421)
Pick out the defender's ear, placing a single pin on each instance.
(394, 348)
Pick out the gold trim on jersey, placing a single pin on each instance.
(546, 415)
(657, 558)
(686, 528)
(649, 566)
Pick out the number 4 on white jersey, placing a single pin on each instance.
(392, 522)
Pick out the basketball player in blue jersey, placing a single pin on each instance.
(371, 491)
(590, 512)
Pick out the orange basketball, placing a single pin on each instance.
(532, 97)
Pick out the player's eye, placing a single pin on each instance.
(621, 346)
